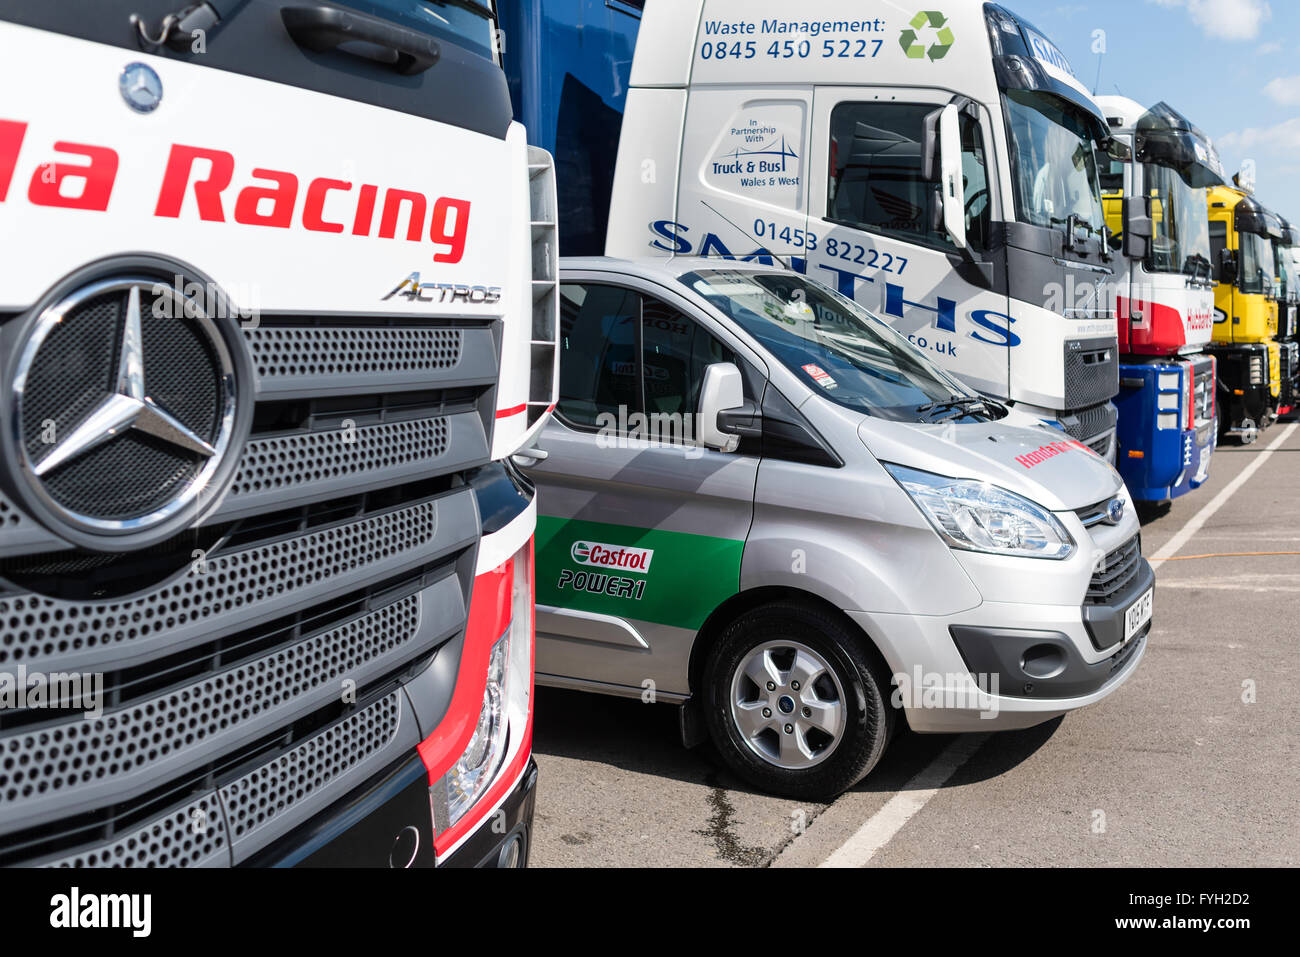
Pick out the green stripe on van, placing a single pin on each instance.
(688, 576)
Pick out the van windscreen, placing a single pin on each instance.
(838, 348)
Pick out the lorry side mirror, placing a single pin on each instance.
(1227, 265)
(1138, 227)
(723, 390)
(952, 189)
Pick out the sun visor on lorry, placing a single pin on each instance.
(1024, 59)
(1167, 138)
(1251, 217)
(1290, 234)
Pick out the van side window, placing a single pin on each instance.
(607, 367)
(676, 352)
(875, 176)
(598, 352)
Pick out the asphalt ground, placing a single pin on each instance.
(1191, 763)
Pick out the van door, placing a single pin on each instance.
(639, 533)
(878, 237)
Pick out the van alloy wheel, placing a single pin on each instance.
(788, 704)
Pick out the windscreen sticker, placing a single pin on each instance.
(671, 578)
(820, 376)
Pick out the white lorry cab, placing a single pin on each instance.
(760, 501)
(939, 168)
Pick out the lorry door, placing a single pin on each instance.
(744, 176)
(877, 235)
(640, 533)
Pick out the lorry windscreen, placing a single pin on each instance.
(838, 348)
(1054, 163)
(468, 23)
(1181, 239)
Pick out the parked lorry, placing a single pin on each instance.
(762, 503)
(278, 302)
(1164, 297)
(1245, 317)
(937, 167)
(1288, 297)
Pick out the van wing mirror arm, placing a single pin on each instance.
(745, 421)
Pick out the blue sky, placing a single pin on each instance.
(1231, 66)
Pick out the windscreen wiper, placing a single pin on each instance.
(960, 404)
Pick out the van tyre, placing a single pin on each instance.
(795, 702)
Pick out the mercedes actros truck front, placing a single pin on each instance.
(279, 301)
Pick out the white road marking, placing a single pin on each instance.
(1171, 547)
(881, 827)
(1251, 583)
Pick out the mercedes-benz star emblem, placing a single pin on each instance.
(126, 414)
(129, 407)
(140, 87)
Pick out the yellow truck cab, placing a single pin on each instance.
(1245, 312)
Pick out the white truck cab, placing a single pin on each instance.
(759, 500)
(937, 167)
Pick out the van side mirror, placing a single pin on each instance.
(723, 392)
(1138, 227)
(1227, 265)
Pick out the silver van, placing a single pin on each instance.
(760, 502)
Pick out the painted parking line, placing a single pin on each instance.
(884, 825)
(1184, 534)
(881, 827)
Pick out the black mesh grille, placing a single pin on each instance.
(181, 372)
(1120, 568)
(125, 478)
(1091, 371)
(74, 372)
(1086, 424)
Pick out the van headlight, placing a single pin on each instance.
(980, 517)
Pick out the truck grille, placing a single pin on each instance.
(1091, 371)
(1094, 427)
(1120, 568)
(340, 560)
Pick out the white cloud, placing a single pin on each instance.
(1225, 19)
(1272, 46)
(1284, 90)
(1284, 136)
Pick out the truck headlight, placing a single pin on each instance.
(469, 777)
(980, 517)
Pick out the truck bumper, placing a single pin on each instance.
(505, 838)
(387, 822)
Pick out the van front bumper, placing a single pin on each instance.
(1003, 666)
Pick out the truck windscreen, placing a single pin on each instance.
(1181, 229)
(1255, 264)
(838, 348)
(468, 23)
(1054, 164)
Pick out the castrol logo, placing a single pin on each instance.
(622, 557)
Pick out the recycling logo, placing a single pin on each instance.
(932, 22)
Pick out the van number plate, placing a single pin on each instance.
(1138, 614)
